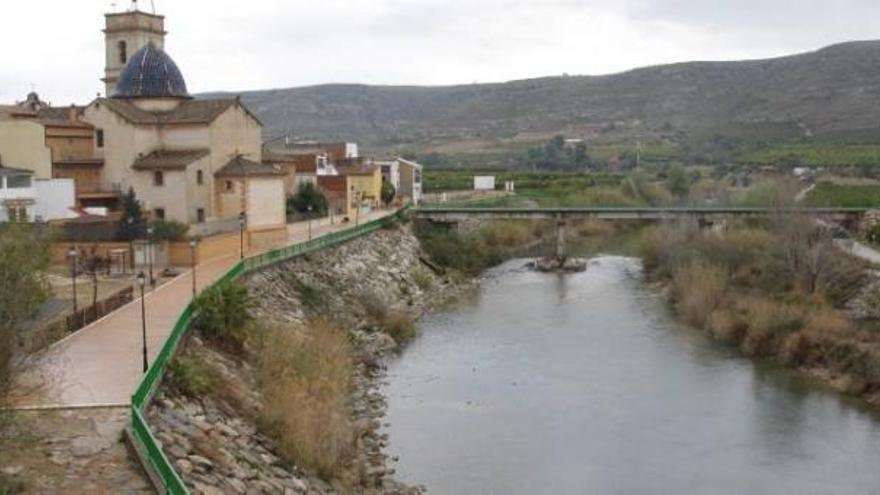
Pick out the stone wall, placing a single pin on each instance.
(215, 444)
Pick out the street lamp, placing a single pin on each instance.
(142, 281)
(242, 220)
(72, 252)
(192, 256)
(150, 254)
(310, 222)
(130, 222)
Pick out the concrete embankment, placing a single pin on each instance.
(215, 441)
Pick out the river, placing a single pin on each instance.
(586, 383)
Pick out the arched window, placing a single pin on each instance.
(123, 52)
(200, 177)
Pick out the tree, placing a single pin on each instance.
(131, 223)
(24, 255)
(678, 182)
(388, 192)
(307, 195)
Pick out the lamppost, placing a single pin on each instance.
(72, 252)
(150, 254)
(242, 220)
(142, 281)
(192, 256)
(130, 222)
(310, 222)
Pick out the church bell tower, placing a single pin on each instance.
(124, 34)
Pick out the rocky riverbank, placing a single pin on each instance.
(214, 441)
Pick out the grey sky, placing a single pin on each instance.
(57, 45)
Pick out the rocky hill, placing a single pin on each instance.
(832, 89)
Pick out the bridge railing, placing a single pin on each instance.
(156, 461)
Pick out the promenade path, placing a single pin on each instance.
(100, 365)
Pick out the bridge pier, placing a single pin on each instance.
(561, 253)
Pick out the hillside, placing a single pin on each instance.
(833, 89)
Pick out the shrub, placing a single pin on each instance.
(305, 375)
(169, 230)
(699, 289)
(400, 326)
(727, 327)
(422, 276)
(222, 312)
(307, 195)
(768, 322)
(190, 375)
(794, 349)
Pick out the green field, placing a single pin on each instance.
(827, 194)
(810, 155)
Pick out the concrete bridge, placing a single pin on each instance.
(848, 217)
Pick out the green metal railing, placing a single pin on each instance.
(151, 450)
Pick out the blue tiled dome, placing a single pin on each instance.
(150, 73)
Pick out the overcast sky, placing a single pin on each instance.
(56, 46)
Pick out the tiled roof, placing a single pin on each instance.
(242, 167)
(168, 159)
(188, 112)
(150, 73)
(356, 169)
(60, 116)
(332, 183)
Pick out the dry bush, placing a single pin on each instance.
(399, 325)
(826, 322)
(422, 276)
(795, 348)
(769, 321)
(305, 378)
(727, 327)
(593, 227)
(699, 288)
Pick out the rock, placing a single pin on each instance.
(184, 466)
(236, 485)
(200, 462)
(87, 446)
(13, 470)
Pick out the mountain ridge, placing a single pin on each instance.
(830, 89)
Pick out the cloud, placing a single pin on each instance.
(234, 45)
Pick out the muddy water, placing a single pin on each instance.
(585, 383)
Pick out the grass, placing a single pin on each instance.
(190, 375)
(305, 377)
(473, 252)
(853, 196)
(815, 155)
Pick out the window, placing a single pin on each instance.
(200, 215)
(16, 213)
(159, 213)
(417, 177)
(158, 178)
(200, 177)
(229, 186)
(123, 52)
(18, 181)
(99, 138)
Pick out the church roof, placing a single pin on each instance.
(188, 112)
(242, 167)
(163, 159)
(150, 73)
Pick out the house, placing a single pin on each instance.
(365, 185)
(338, 192)
(18, 196)
(410, 181)
(405, 176)
(56, 143)
(179, 154)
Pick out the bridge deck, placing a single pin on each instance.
(628, 213)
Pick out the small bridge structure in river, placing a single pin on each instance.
(848, 217)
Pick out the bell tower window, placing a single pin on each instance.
(123, 52)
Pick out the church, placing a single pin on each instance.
(196, 161)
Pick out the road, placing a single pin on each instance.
(100, 365)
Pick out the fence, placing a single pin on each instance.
(84, 316)
(156, 462)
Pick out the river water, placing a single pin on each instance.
(585, 383)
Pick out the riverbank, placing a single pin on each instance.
(781, 291)
(221, 437)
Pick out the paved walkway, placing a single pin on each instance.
(860, 250)
(101, 364)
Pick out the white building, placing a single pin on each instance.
(18, 196)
